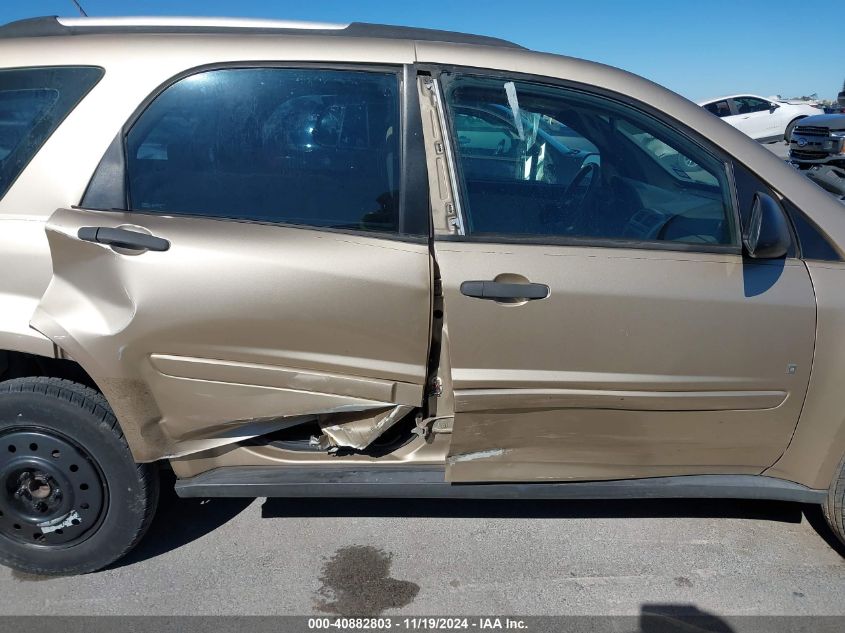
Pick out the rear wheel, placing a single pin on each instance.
(72, 500)
(834, 507)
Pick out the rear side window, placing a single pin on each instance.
(719, 108)
(33, 103)
(307, 147)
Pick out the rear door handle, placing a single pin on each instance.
(122, 238)
(496, 290)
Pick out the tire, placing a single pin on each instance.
(834, 507)
(72, 498)
(788, 133)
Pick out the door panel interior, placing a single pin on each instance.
(237, 324)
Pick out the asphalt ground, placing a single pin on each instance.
(394, 557)
(780, 149)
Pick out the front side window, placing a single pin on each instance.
(310, 147)
(747, 105)
(33, 103)
(537, 160)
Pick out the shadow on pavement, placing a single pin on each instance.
(547, 509)
(179, 521)
(816, 519)
(686, 618)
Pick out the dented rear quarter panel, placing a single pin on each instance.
(24, 275)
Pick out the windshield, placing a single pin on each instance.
(665, 156)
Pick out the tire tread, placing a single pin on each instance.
(834, 506)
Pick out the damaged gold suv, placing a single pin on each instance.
(356, 260)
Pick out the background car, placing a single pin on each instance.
(817, 148)
(762, 119)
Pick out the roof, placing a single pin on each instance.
(56, 26)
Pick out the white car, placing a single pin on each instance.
(762, 119)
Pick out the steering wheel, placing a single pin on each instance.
(664, 230)
(663, 233)
(576, 194)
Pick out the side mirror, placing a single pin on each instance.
(767, 235)
(773, 107)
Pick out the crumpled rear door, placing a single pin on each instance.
(236, 325)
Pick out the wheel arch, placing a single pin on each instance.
(792, 123)
(16, 363)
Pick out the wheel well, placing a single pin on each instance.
(15, 364)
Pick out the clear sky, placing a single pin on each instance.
(699, 48)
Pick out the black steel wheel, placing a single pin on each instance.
(72, 499)
(53, 492)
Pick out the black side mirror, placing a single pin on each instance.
(767, 235)
(773, 107)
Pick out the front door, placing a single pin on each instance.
(603, 323)
(261, 269)
(755, 117)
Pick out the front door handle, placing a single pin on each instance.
(499, 291)
(122, 238)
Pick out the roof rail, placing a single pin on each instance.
(56, 26)
(197, 22)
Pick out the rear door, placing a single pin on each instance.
(261, 262)
(721, 108)
(604, 324)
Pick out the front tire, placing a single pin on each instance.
(834, 506)
(72, 499)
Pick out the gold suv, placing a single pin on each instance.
(358, 260)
